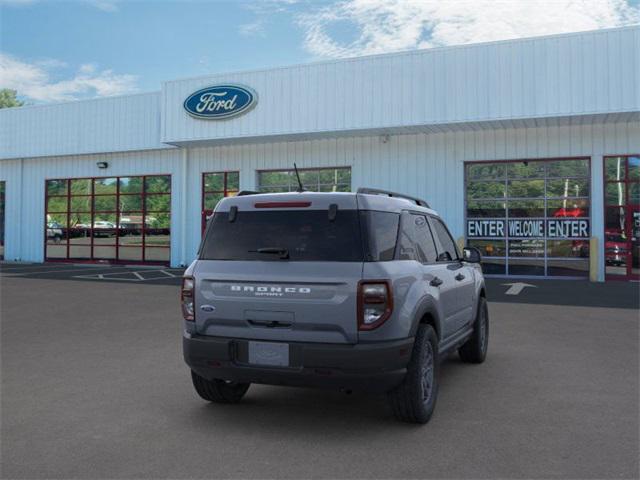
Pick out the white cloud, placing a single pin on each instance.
(252, 28)
(390, 25)
(35, 82)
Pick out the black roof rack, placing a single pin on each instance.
(242, 193)
(376, 191)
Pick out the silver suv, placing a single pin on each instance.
(353, 291)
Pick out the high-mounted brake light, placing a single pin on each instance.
(282, 204)
(375, 303)
(186, 298)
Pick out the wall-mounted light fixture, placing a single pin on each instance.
(102, 164)
(384, 138)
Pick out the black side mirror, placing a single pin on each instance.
(471, 255)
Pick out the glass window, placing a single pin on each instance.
(216, 186)
(81, 186)
(526, 169)
(525, 188)
(575, 207)
(314, 180)
(486, 171)
(485, 209)
(158, 184)
(490, 248)
(57, 187)
(614, 168)
(131, 184)
(615, 193)
(449, 250)
(568, 188)
(301, 235)
(104, 186)
(568, 248)
(381, 231)
(525, 208)
(634, 168)
(568, 168)
(526, 248)
(544, 203)
(485, 190)
(107, 213)
(564, 268)
(416, 240)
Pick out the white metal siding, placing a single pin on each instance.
(112, 124)
(558, 76)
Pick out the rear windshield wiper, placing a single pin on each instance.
(283, 252)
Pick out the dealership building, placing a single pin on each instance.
(529, 149)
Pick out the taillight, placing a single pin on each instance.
(375, 303)
(186, 298)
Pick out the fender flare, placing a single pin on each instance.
(426, 306)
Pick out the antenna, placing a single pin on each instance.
(300, 186)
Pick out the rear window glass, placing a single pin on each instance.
(305, 235)
(381, 233)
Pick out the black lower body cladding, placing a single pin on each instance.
(372, 367)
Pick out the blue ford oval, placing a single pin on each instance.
(220, 101)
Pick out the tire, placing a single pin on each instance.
(414, 400)
(475, 349)
(219, 391)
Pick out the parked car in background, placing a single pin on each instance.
(54, 232)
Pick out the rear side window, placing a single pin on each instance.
(449, 251)
(305, 235)
(416, 242)
(380, 230)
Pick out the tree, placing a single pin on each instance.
(8, 98)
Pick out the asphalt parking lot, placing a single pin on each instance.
(94, 386)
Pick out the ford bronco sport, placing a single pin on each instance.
(352, 291)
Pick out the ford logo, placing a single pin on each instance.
(220, 101)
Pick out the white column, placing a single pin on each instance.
(597, 211)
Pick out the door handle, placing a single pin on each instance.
(459, 277)
(436, 282)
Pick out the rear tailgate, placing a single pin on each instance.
(281, 267)
(281, 301)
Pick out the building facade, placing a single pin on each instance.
(529, 149)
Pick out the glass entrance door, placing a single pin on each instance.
(622, 217)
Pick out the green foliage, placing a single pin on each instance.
(8, 98)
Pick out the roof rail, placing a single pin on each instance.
(376, 191)
(243, 193)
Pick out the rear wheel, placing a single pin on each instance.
(414, 400)
(219, 391)
(475, 349)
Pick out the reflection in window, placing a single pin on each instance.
(522, 194)
(106, 218)
(216, 186)
(314, 180)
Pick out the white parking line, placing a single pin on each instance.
(4, 272)
(139, 277)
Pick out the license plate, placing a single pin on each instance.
(268, 353)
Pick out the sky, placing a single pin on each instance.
(54, 50)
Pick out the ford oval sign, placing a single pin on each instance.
(220, 102)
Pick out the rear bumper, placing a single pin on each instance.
(372, 367)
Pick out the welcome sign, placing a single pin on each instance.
(220, 102)
(528, 228)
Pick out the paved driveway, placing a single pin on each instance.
(93, 386)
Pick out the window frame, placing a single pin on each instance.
(144, 247)
(225, 191)
(291, 172)
(546, 177)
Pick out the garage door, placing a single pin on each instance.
(115, 219)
